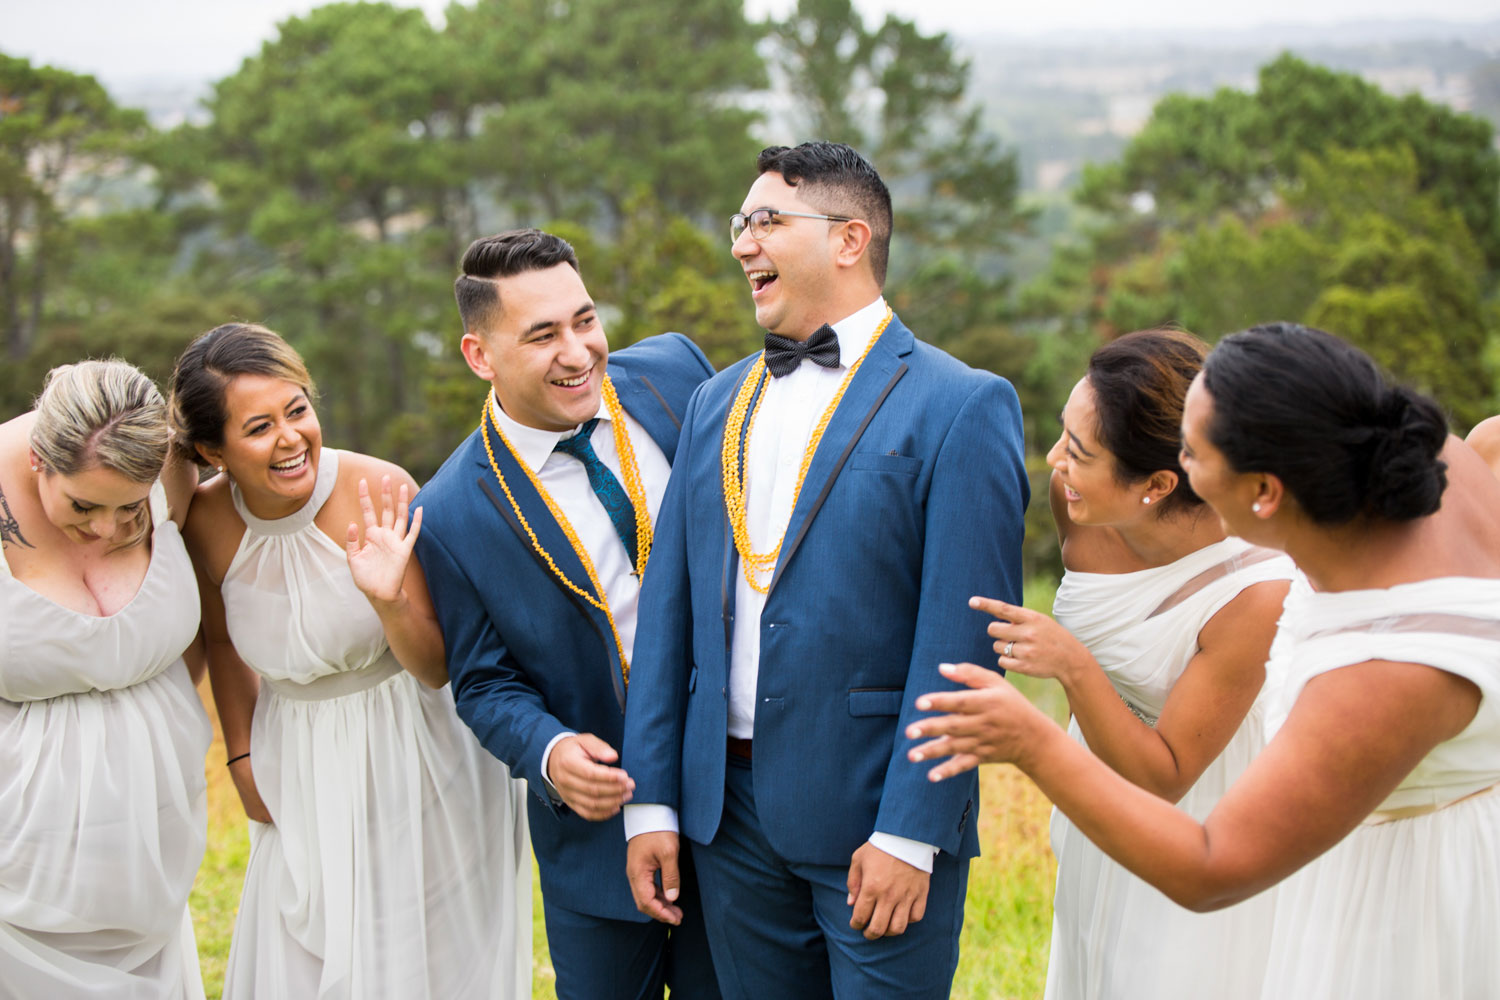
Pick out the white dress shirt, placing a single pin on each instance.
(566, 479)
(789, 410)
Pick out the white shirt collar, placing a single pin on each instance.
(857, 330)
(533, 445)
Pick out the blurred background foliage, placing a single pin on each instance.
(336, 177)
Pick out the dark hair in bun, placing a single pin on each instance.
(1139, 382)
(1317, 413)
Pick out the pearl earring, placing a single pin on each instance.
(1145, 499)
(1255, 507)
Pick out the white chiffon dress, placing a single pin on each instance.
(1408, 905)
(1114, 937)
(102, 796)
(398, 865)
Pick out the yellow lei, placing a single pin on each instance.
(753, 563)
(633, 489)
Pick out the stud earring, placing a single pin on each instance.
(1145, 499)
(1255, 507)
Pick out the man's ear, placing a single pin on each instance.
(477, 354)
(854, 240)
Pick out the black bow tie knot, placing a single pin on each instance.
(783, 354)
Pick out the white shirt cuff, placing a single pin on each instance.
(546, 757)
(913, 852)
(648, 817)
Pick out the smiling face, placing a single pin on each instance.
(1094, 493)
(271, 443)
(792, 271)
(1228, 492)
(95, 505)
(543, 349)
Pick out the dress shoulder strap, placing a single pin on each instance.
(159, 511)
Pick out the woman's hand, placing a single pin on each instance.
(378, 564)
(1031, 643)
(244, 783)
(992, 723)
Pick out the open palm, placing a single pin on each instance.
(378, 561)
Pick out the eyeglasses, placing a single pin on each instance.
(759, 222)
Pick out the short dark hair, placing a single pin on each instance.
(503, 255)
(1139, 383)
(1315, 412)
(836, 180)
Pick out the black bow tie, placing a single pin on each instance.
(784, 354)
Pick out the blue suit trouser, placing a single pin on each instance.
(597, 958)
(781, 929)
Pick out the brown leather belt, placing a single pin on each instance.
(738, 747)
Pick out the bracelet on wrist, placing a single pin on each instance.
(240, 757)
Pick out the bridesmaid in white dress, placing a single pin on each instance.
(1170, 625)
(1379, 781)
(102, 737)
(389, 852)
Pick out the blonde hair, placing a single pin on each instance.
(104, 414)
(210, 363)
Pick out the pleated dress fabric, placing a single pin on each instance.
(398, 865)
(1406, 905)
(1113, 935)
(103, 812)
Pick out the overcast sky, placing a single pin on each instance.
(119, 41)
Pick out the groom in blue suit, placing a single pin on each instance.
(535, 535)
(835, 502)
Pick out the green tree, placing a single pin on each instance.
(60, 133)
(582, 104)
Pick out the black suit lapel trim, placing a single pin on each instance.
(731, 554)
(509, 517)
(833, 476)
(663, 401)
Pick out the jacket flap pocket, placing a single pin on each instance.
(875, 701)
(906, 465)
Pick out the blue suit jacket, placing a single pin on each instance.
(527, 658)
(912, 504)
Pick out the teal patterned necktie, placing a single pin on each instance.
(606, 487)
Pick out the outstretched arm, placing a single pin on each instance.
(1206, 705)
(1351, 737)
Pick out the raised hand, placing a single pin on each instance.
(1031, 643)
(991, 723)
(378, 562)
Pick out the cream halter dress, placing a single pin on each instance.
(399, 863)
(1408, 905)
(102, 796)
(1113, 936)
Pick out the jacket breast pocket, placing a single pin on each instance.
(875, 701)
(874, 461)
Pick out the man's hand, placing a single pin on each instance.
(579, 767)
(648, 854)
(886, 893)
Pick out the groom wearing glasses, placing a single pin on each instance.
(835, 501)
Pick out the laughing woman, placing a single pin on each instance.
(1376, 798)
(389, 854)
(102, 737)
(1163, 624)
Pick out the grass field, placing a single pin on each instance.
(1008, 916)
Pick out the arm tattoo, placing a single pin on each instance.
(10, 528)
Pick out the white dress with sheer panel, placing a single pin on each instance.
(103, 812)
(1408, 905)
(1113, 935)
(398, 865)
